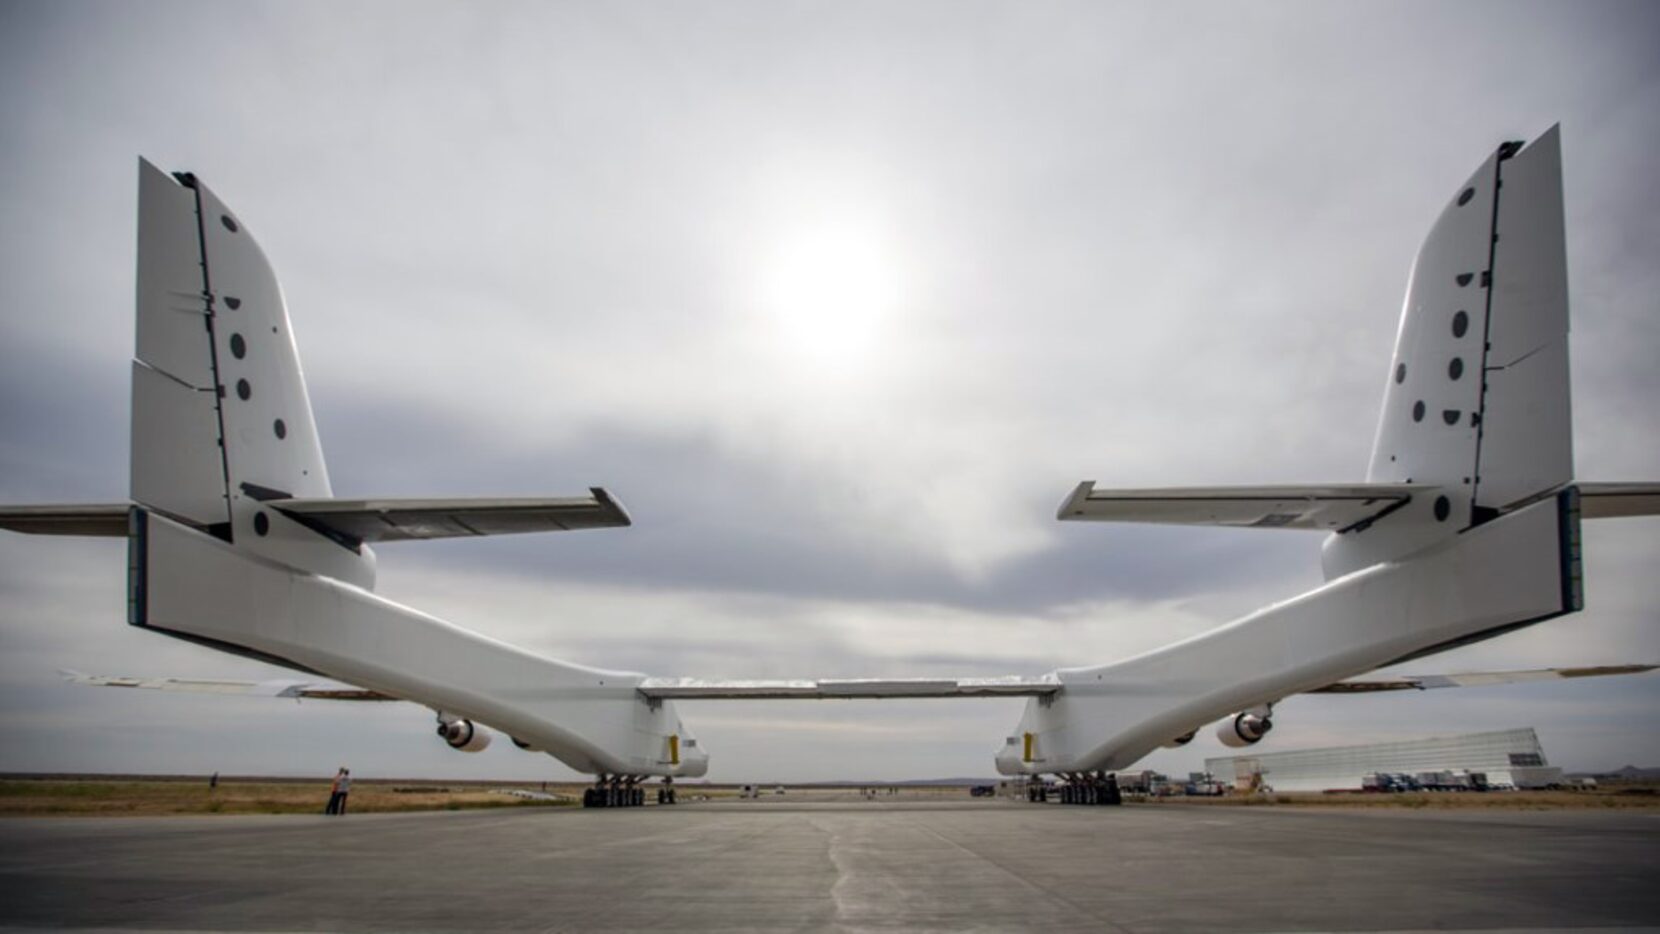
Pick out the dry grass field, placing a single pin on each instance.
(118, 797)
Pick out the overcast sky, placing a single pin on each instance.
(841, 300)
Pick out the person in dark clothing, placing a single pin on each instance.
(337, 792)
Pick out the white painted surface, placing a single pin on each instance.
(1526, 432)
(591, 719)
(1107, 717)
(176, 466)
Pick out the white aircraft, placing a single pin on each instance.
(1466, 527)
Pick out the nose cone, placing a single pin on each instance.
(1010, 761)
(694, 763)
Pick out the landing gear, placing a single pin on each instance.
(1092, 788)
(623, 791)
(614, 791)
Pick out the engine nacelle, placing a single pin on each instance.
(1243, 730)
(464, 735)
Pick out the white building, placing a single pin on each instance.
(1507, 757)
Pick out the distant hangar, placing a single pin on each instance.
(1506, 757)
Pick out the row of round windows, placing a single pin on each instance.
(1455, 371)
(245, 389)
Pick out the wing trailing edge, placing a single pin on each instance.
(100, 519)
(298, 690)
(1473, 679)
(1618, 500)
(845, 689)
(396, 520)
(1324, 507)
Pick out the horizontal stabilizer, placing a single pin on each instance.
(95, 519)
(306, 690)
(699, 689)
(1323, 508)
(1473, 679)
(396, 520)
(1616, 500)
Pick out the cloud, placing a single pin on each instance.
(531, 250)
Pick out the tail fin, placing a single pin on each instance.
(1477, 401)
(221, 418)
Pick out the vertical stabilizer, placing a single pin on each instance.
(221, 418)
(1476, 403)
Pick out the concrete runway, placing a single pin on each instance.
(788, 865)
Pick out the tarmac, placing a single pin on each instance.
(782, 864)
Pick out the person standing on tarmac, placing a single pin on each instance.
(337, 792)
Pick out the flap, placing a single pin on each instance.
(306, 690)
(395, 520)
(1473, 679)
(1327, 508)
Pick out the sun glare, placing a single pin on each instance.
(829, 294)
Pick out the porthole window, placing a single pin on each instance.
(1460, 324)
(1400, 373)
(233, 301)
(1455, 369)
(239, 347)
(1450, 416)
(1418, 411)
(1443, 508)
(1464, 278)
(280, 428)
(1465, 196)
(230, 225)
(243, 390)
(262, 525)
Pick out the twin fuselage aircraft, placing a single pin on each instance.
(1466, 526)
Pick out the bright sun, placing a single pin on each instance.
(830, 293)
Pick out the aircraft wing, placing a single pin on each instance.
(361, 520)
(1473, 679)
(300, 690)
(825, 689)
(108, 519)
(1615, 500)
(395, 520)
(1330, 508)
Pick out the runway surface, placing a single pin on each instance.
(781, 865)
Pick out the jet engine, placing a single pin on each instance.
(1243, 729)
(463, 735)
